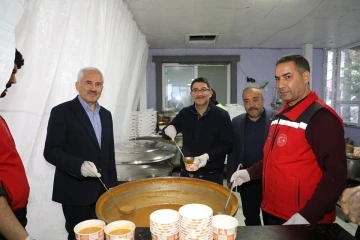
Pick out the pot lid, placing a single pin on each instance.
(143, 151)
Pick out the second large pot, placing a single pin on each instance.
(143, 158)
(175, 160)
(353, 169)
(131, 172)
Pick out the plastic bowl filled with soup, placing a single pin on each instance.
(90, 230)
(121, 229)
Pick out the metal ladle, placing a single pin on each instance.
(229, 195)
(126, 209)
(103, 184)
(179, 149)
(188, 160)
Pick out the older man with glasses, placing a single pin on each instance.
(207, 134)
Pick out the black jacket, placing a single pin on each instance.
(70, 141)
(236, 157)
(210, 133)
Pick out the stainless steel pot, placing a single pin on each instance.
(143, 151)
(143, 158)
(175, 160)
(353, 169)
(131, 172)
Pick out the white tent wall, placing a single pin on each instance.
(57, 38)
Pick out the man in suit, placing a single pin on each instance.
(80, 144)
(250, 132)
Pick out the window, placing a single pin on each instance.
(177, 80)
(205, 65)
(329, 76)
(343, 71)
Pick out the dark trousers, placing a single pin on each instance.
(357, 233)
(212, 177)
(21, 217)
(251, 197)
(76, 214)
(271, 219)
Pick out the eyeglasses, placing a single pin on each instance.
(202, 90)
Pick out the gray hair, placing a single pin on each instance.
(86, 69)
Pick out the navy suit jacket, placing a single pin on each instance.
(236, 157)
(70, 141)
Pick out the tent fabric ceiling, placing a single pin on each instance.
(249, 23)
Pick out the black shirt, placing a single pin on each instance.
(210, 133)
(254, 140)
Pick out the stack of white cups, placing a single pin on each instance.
(196, 222)
(147, 120)
(164, 224)
(132, 129)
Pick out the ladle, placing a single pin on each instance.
(188, 160)
(126, 209)
(179, 149)
(103, 184)
(229, 195)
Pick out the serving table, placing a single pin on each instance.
(293, 232)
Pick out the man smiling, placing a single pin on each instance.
(207, 134)
(80, 144)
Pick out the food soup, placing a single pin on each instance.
(90, 230)
(141, 215)
(120, 231)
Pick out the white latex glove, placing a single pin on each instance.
(170, 131)
(296, 219)
(88, 169)
(201, 160)
(239, 177)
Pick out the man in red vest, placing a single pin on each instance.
(304, 165)
(14, 186)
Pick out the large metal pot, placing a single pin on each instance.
(175, 160)
(158, 193)
(131, 172)
(353, 169)
(143, 158)
(143, 151)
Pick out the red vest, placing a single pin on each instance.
(291, 172)
(12, 173)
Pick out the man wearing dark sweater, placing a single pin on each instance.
(304, 165)
(207, 134)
